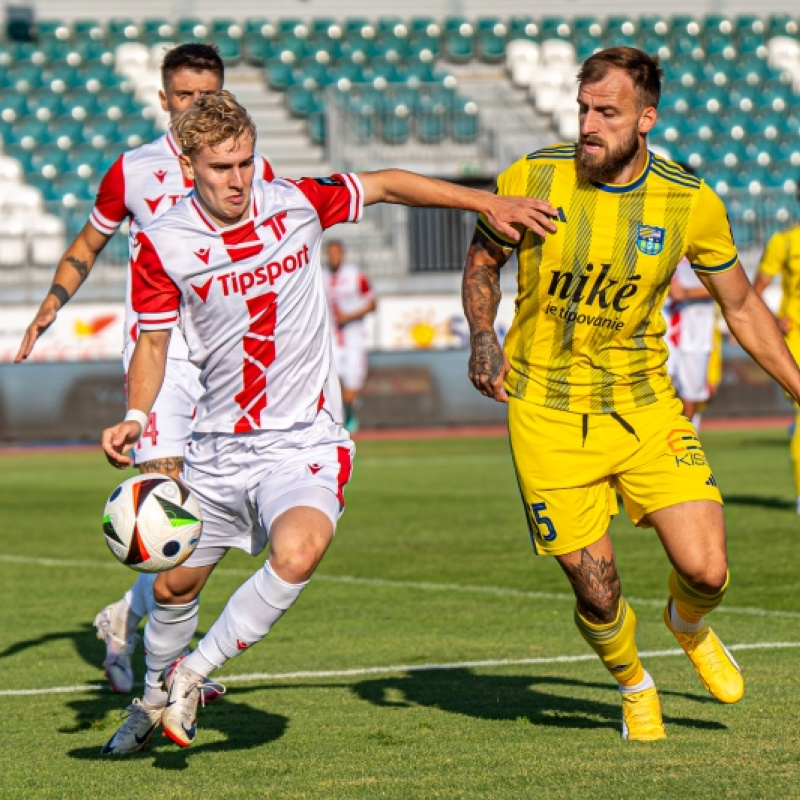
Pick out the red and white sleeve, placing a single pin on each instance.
(364, 287)
(267, 173)
(109, 207)
(337, 199)
(154, 295)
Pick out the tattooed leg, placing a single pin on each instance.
(172, 466)
(592, 571)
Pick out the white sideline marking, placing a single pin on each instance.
(350, 673)
(496, 591)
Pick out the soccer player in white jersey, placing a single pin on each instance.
(350, 299)
(141, 185)
(237, 265)
(691, 315)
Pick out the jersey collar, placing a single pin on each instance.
(621, 188)
(212, 226)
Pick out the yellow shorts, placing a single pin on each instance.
(569, 467)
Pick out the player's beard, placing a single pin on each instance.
(605, 166)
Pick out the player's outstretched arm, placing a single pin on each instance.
(480, 294)
(145, 376)
(753, 326)
(72, 270)
(505, 214)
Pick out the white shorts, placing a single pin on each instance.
(689, 373)
(244, 481)
(351, 364)
(168, 429)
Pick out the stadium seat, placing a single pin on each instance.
(522, 59)
(781, 25)
(120, 30)
(156, 29)
(301, 101)
(316, 127)
(431, 125)
(13, 245)
(280, 72)
(464, 124)
(395, 125)
(82, 29)
(191, 29)
(458, 45)
(47, 239)
(491, 45)
(554, 28)
(523, 28)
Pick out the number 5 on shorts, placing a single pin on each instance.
(542, 520)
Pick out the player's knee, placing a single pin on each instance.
(708, 577)
(297, 562)
(167, 591)
(601, 608)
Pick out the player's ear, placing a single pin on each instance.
(162, 97)
(647, 119)
(186, 166)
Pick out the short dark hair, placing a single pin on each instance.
(195, 56)
(643, 69)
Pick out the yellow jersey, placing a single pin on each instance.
(782, 255)
(588, 332)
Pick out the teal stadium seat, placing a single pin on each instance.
(120, 30)
(395, 125)
(555, 28)
(523, 27)
(490, 44)
(157, 29)
(279, 73)
(82, 29)
(382, 69)
(51, 29)
(464, 123)
(316, 127)
(425, 26)
(302, 101)
(459, 47)
(782, 25)
(431, 125)
(191, 29)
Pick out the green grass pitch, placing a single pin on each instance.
(433, 656)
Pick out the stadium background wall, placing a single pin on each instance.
(74, 401)
(307, 9)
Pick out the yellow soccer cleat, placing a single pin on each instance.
(715, 666)
(641, 716)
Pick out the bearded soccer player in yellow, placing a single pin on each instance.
(782, 257)
(591, 409)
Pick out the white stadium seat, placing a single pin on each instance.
(48, 239)
(556, 52)
(13, 246)
(10, 170)
(131, 59)
(522, 58)
(157, 53)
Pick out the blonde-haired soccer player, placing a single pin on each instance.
(591, 408)
(782, 257)
(237, 265)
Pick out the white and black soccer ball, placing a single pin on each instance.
(152, 523)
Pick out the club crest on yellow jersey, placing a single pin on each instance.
(650, 239)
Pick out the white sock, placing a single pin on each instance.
(696, 421)
(247, 618)
(645, 683)
(154, 694)
(168, 632)
(140, 596)
(680, 624)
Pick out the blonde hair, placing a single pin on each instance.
(212, 119)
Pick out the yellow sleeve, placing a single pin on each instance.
(775, 255)
(709, 241)
(509, 182)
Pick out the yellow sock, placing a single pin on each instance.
(691, 604)
(794, 452)
(615, 643)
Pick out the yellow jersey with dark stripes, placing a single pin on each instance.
(782, 255)
(588, 333)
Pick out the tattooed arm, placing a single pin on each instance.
(480, 293)
(71, 272)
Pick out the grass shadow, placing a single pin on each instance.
(242, 728)
(759, 501)
(505, 697)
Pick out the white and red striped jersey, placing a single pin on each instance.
(348, 291)
(250, 301)
(141, 185)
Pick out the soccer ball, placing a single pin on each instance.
(152, 523)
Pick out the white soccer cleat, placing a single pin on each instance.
(137, 730)
(119, 648)
(186, 690)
